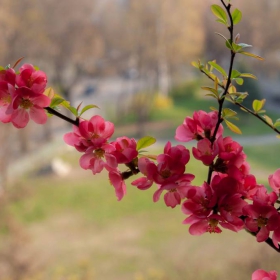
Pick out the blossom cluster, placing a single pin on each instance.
(22, 96)
(91, 138)
(232, 199)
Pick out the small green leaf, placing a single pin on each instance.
(49, 92)
(277, 123)
(252, 55)
(236, 47)
(213, 109)
(258, 105)
(219, 13)
(268, 120)
(195, 64)
(229, 44)
(218, 68)
(222, 22)
(228, 113)
(236, 16)
(56, 101)
(248, 75)
(235, 74)
(233, 127)
(145, 142)
(212, 95)
(87, 108)
(239, 81)
(73, 110)
(214, 91)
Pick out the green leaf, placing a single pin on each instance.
(235, 74)
(219, 13)
(233, 127)
(212, 90)
(258, 105)
(212, 95)
(213, 109)
(218, 68)
(49, 92)
(236, 47)
(268, 120)
(277, 123)
(87, 108)
(195, 64)
(56, 101)
(73, 110)
(239, 81)
(229, 44)
(236, 16)
(228, 113)
(248, 75)
(222, 21)
(145, 142)
(252, 55)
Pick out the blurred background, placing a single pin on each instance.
(132, 59)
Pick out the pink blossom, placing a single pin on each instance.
(201, 225)
(202, 125)
(261, 219)
(205, 152)
(125, 149)
(6, 93)
(187, 131)
(97, 159)
(35, 80)
(263, 197)
(274, 181)
(176, 190)
(93, 133)
(200, 202)
(8, 75)
(148, 168)
(117, 181)
(228, 148)
(27, 104)
(264, 275)
(276, 234)
(230, 207)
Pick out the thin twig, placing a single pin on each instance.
(75, 122)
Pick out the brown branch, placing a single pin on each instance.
(75, 122)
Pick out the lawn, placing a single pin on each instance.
(74, 228)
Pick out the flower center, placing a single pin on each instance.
(262, 221)
(165, 173)
(99, 153)
(213, 226)
(26, 104)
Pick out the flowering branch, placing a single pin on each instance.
(240, 105)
